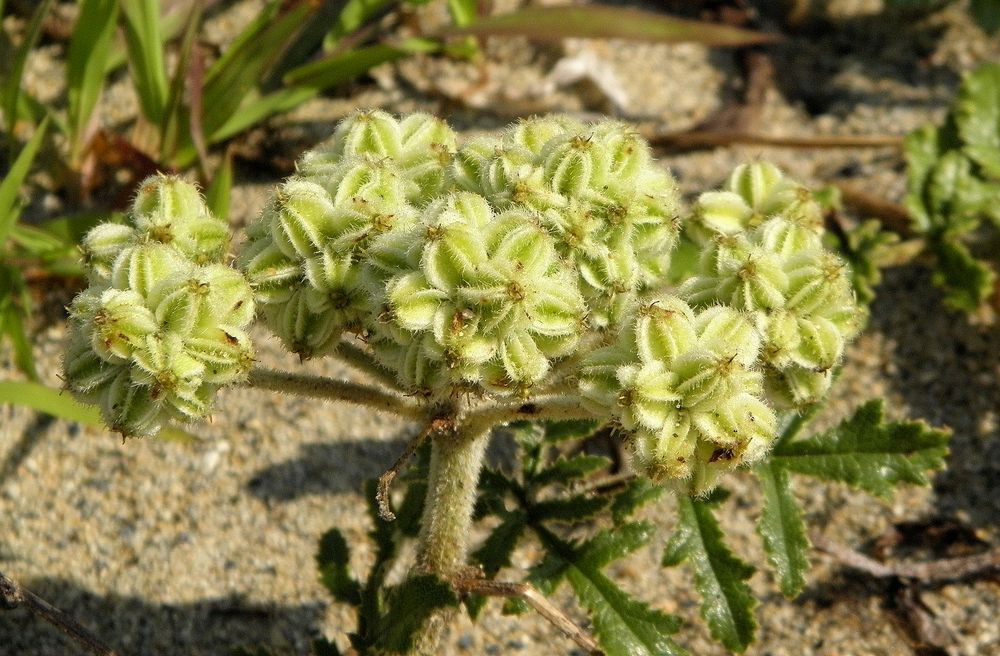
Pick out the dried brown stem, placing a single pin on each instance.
(12, 595)
(699, 139)
(385, 480)
(935, 571)
(893, 216)
(531, 596)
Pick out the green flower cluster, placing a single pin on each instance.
(306, 257)
(764, 257)
(594, 188)
(686, 387)
(163, 323)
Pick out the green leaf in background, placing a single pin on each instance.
(986, 13)
(865, 249)
(727, 604)
(15, 310)
(463, 12)
(338, 69)
(606, 22)
(495, 552)
(86, 62)
(966, 281)
(564, 470)
(633, 496)
(333, 561)
(408, 607)
(10, 89)
(868, 452)
(246, 62)
(624, 626)
(219, 192)
(354, 15)
(782, 530)
(569, 510)
(10, 186)
(144, 41)
(63, 406)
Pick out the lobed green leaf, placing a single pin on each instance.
(720, 577)
(868, 452)
(782, 529)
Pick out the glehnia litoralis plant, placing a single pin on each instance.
(525, 280)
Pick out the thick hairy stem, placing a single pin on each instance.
(321, 387)
(540, 408)
(456, 460)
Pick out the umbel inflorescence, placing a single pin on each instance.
(532, 265)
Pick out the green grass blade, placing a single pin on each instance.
(463, 12)
(218, 194)
(12, 85)
(338, 69)
(63, 406)
(11, 184)
(86, 62)
(246, 62)
(256, 109)
(15, 307)
(605, 22)
(144, 42)
(354, 15)
(172, 112)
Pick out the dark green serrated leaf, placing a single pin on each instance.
(727, 604)
(966, 281)
(323, 647)
(867, 452)
(568, 510)
(561, 431)
(624, 626)
(635, 494)
(566, 470)
(495, 552)
(408, 607)
(977, 107)
(333, 560)
(782, 530)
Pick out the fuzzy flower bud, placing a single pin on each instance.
(685, 387)
(159, 339)
(767, 260)
(488, 304)
(595, 189)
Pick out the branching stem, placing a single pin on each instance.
(321, 387)
(538, 409)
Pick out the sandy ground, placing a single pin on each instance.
(169, 548)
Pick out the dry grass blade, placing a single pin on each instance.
(603, 22)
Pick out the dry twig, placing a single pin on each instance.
(943, 570)
(386, 479)
(528, 594)
(12, 595)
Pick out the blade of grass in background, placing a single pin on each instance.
(144, 42)
(602, 22)
(11, 88)
(354, 15)
(332, 71)
(86, 62)
(59, 404)
(246, 61)
(15, 308)
(171, 122)
(11, 184)
(463, 12)
(220, 191)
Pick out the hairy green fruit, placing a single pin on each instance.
(763, 255)
(163, 324)
(166, 210)
(685, 387)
